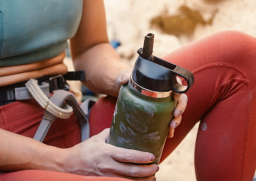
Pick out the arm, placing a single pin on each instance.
(22, 153)
(92, 53)
(91, 157)
(104, 72)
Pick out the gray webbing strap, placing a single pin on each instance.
(57, 99)
(81, 113)
(85, 106)
(22, 93)
(42, 130)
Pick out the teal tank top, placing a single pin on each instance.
(35, 30)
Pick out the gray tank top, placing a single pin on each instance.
(35, 30)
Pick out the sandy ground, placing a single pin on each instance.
(129, 21)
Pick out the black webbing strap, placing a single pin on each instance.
(77, 75)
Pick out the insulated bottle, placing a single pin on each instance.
(145, 105)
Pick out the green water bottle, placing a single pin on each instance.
(145, 105)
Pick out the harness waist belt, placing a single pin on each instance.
(18, 91)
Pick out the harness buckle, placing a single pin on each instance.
(57, 82)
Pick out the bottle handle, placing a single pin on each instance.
(188, 77)
(175, 70)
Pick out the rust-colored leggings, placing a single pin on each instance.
(223, 98)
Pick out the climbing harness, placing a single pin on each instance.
(60, 105)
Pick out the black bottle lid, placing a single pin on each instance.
(155, 74)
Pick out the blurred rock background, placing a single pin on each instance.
(175, 23)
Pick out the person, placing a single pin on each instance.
(222, 98)
(34, 36)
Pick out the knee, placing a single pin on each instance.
(235, 41)
(232, 47)
(232, 35)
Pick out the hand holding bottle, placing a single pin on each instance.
(94, 157)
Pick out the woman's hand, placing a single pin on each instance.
(94, 157)
(182, 100)
(123, 77)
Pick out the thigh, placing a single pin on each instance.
(223, 150)
(101, 114)
(42, 175)
(223, 97)
(24, 117)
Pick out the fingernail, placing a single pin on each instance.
(154, 179)
(157, 168)
(174, 124)
(177, 113)
(152, 158)
(123, 77)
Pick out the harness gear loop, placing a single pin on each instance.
(43, 100)
(61, 104)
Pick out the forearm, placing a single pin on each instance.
(102, 66)
(92, 53)
(22, 153)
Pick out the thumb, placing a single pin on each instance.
(124, 76)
